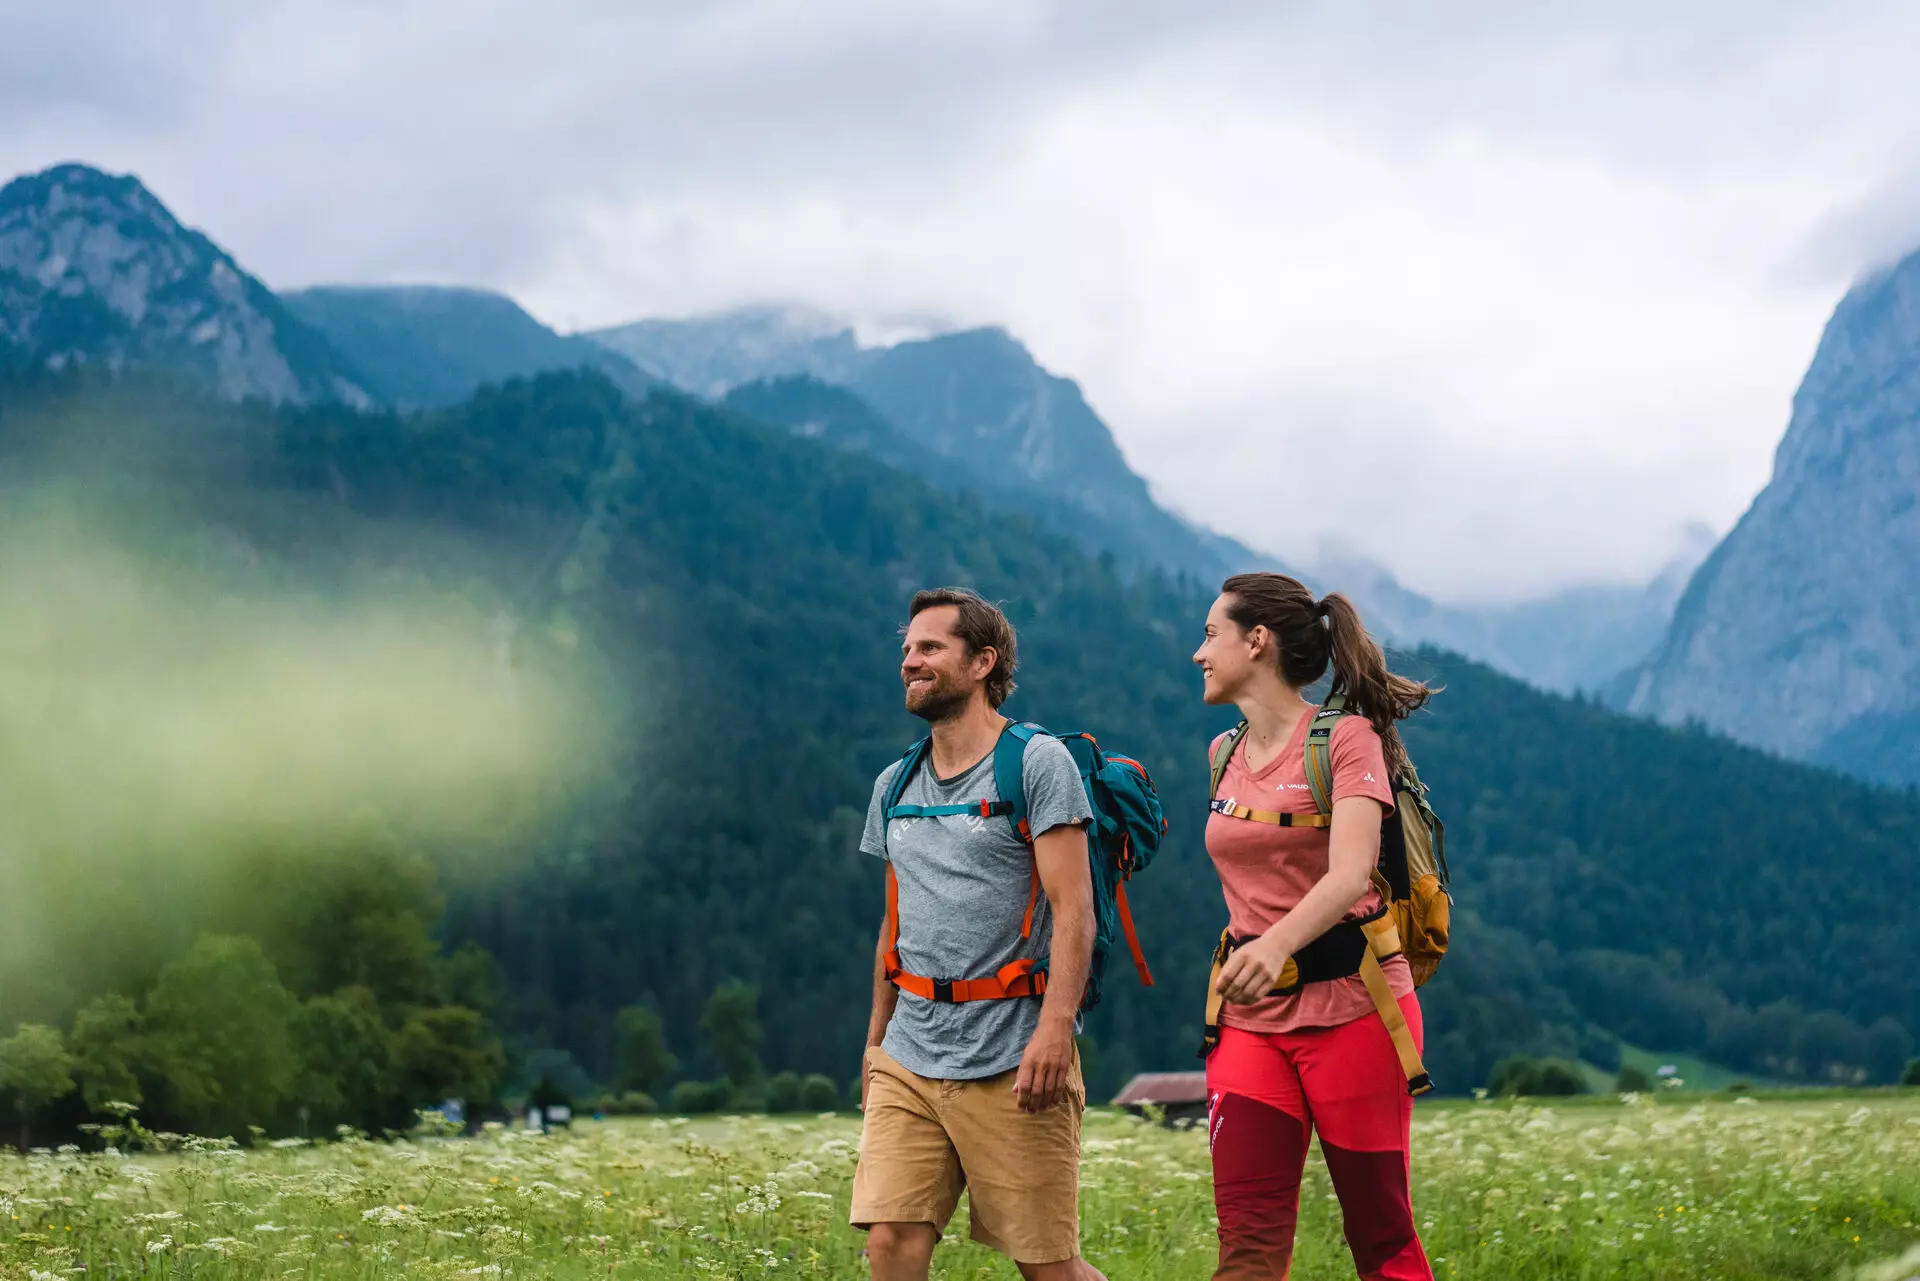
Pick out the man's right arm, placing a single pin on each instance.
(885, 997)
(873, 840)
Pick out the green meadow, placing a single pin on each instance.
(1601, 1188)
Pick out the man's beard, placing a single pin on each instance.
(942, 702)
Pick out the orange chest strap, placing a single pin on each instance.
(1016, 979)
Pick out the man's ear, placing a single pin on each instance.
(992, 657)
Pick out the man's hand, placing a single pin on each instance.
(1046, 1066)
(1060, 858)
(1251, 972)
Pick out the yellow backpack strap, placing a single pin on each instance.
(1232, 808)
(1222, 753)
(1211, 1036)
(1383, 940)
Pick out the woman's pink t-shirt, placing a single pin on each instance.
(1266, 870)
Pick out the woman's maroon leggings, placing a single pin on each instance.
(1266, 1096)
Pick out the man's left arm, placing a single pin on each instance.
(1061, 856)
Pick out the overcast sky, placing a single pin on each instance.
(1529, 291)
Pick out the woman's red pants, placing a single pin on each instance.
(1267, 1094)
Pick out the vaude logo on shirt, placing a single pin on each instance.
(974, 822)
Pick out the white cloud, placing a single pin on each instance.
(1528, 288)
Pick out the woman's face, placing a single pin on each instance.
(1228, 656)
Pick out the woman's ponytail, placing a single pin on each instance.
(1360, 671)
(1310, 635)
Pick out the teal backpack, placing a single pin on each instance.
(1125, 835)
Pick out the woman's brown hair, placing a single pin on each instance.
(1312, 634)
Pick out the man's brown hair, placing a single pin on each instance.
(980, 626)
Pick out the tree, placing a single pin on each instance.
(1633, 1080)
(1554, 1077)
(1912, 1075)
(819, 1094)
(359, 916)
(1520, 1075)
(107, 1046)
(694, 1097)
(645, 1061)
(470, 977)
(783, 1092)
(1511, 1076)
(35, 1069)
(732, 1024)
(1829, 1044)
(346, 1060)
(554, 1076)
(220, 1028)
(1888, 1045)
(446, 1051)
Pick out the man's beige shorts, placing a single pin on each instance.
(924, 1140)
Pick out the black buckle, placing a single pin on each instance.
(943, 990)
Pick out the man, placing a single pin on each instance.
(981, 1093)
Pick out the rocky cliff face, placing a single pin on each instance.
(980, 396)
(94, 269)
(1801, 633)
(710, 355)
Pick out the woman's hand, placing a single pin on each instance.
(1251, 971)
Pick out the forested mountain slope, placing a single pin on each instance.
(839, 417)
(427, 346)
(1614, 877)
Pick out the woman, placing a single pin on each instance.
(1320, 1057)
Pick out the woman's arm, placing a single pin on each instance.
(1251, 972)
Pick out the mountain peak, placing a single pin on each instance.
(72, 183)
(712, 353)
(1874, 333)
(1796, 634)
(94, 269)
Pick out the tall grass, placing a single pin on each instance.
(1740, 1189)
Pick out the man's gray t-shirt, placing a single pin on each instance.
(964, 885)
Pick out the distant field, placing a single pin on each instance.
(1672, 1189)
(1696, 1075)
